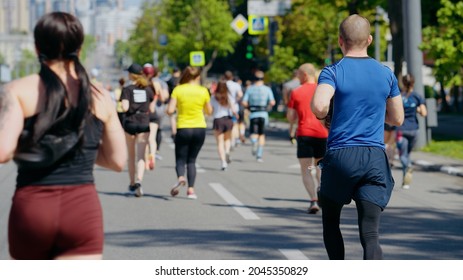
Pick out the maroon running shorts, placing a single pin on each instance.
(50, 221)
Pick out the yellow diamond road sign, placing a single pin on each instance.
(239, 24)
(197, 58)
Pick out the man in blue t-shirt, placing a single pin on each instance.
(365, 96)
(258, 98)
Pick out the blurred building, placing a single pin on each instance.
(14, 16)
(106, 20)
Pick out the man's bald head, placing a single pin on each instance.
(308, 69)
(355, 32)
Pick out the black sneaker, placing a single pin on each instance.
(314, 208)
(136, 189)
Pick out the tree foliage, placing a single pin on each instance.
(88, 46)
(190, 25)
(309, 32)
(444, 43)
(283, 62)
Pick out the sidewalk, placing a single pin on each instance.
(436, 163)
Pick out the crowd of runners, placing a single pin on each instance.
(67, 123)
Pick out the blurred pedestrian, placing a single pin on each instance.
(56, 125)
(355, 166)
(161, 94)
(311, 134)
(288, 87)
(137, 102)
(407, 134)
(258, 98)
(191, 101)
(236, 94)
(117, 95)
(389, 142)
(172, 83)
(224, 109)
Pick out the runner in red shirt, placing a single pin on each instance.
(311, 135)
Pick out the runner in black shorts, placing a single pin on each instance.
(137, 102)
(365, 95)
(310, 133)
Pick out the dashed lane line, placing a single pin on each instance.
(293, 254)
(237, 205)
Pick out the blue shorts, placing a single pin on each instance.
(358, 173)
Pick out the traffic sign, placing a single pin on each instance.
(257, 25)
(197, 58)
(239, 24)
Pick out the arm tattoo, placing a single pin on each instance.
(5, 106)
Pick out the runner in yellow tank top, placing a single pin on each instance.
(190, 103)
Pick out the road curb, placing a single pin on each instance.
(447, 169)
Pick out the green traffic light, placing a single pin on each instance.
(249, 55)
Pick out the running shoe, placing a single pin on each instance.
(314, 208)
(136, 189)
(405, 187)
(158, 156)
(260, 160)
(408, 176)
(224, 166)
(174, 191)
(191, 194)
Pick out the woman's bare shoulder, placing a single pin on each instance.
(25, 84)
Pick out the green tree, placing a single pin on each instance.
(444, 44)
(27, 65)
(190, 25)
(121, 53)
(283, 63)
(143, 39)
(88, 46)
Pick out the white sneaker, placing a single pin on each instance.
(260, 160)
(405, 187)
(224, 166)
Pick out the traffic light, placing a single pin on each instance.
(249, 51)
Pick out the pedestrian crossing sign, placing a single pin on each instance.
(257, 25)
(197, 58)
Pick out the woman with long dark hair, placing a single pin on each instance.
(191, 100)
(224, 109)
(56, 125)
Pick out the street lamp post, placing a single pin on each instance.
(414, 56)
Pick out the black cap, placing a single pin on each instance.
(135, 69)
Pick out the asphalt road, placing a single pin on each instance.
(256, 211)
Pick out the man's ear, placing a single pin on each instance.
(370, 39)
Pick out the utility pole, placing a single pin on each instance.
(377, 34)
(414, 56)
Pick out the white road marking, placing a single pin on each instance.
(239, 207)
(293, 254)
